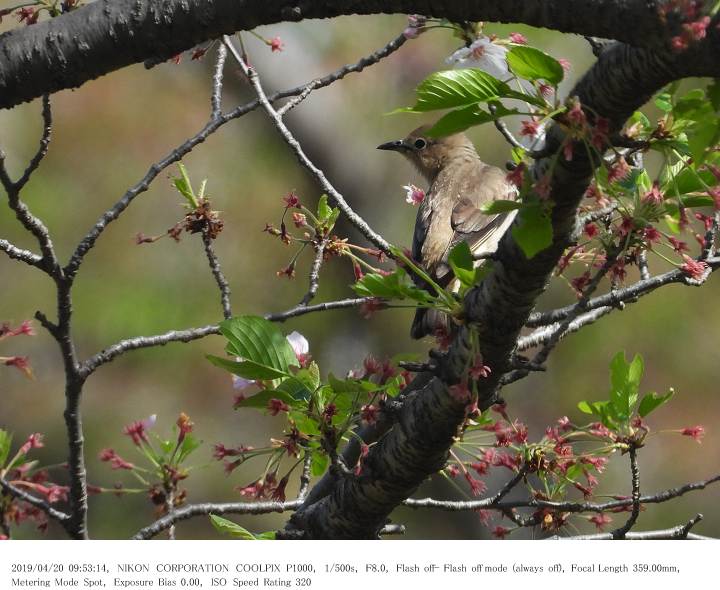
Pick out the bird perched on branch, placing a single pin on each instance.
(460, 184)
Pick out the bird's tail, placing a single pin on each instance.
(428, 322)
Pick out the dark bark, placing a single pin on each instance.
(106, 35)
(623, 79)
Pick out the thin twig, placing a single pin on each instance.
(22, 255)
(53, 513)
(218, 274)
(188, 145)
(293, 143)
(111, 352)
(206, 509)
(657, 498)
(622, 531)
(216, 97)
(681, 531)
(476, 504)
(625, 295)
(44, 143)
(314, 279)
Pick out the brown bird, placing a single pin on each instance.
(460, 184)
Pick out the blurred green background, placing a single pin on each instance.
(107, 133)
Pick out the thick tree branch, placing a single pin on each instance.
(106, 35)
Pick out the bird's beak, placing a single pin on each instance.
(397, 146)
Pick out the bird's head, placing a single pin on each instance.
(430, 154)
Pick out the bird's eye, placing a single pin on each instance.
(420, 144)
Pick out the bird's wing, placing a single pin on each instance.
(470, 224)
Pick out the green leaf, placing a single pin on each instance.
(232, 529)
(464, 118)
(663, 102)
(396, 285)
(247, 369)
(256, 339)
(462, 263)
(500, 206)
(5, 443)
(319, 463)
(585, 407)
(260, 400)
(324, 211)
(184, 187)
(461, 88)
(305, 423)
(533, 64)
(189, 444)
(652, 400)
(533, 232)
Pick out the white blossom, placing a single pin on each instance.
(485, 55)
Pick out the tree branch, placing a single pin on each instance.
(69, 50)
(319, 175)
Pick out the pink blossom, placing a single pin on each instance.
(369, 307)
(618, 170)
(476, 487)
(579, 283)
(518, 38)
(651, 235)
(115, 460)
(695, 269)
(654, 196)
(478, 370)
(694, 432)
(678, 245)
(369, 414)
(300, 346)
(137, 430)
(500, 532)
(291, 200)
(34, 441)
(590, 230)
(299, 219)
(600, 520)
(460, 392)
(575, 114)
(414, 195)
(275, 406)
(516, 175)
(529, 127)
(481, 467)
(484, 516)
(185, 426)
(565, 64)
(275, 44)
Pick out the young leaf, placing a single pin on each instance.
(319, 463)
(228, 527)
(247, 369)
(260, 400)
(464, 118)
(462, 263)
(324, 211)
(256, 339)
(534, 231)
(461, 88)
(5, 443)
(184, 187)
(652, 400)
(532, 64)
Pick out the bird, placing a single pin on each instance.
(460, 183)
